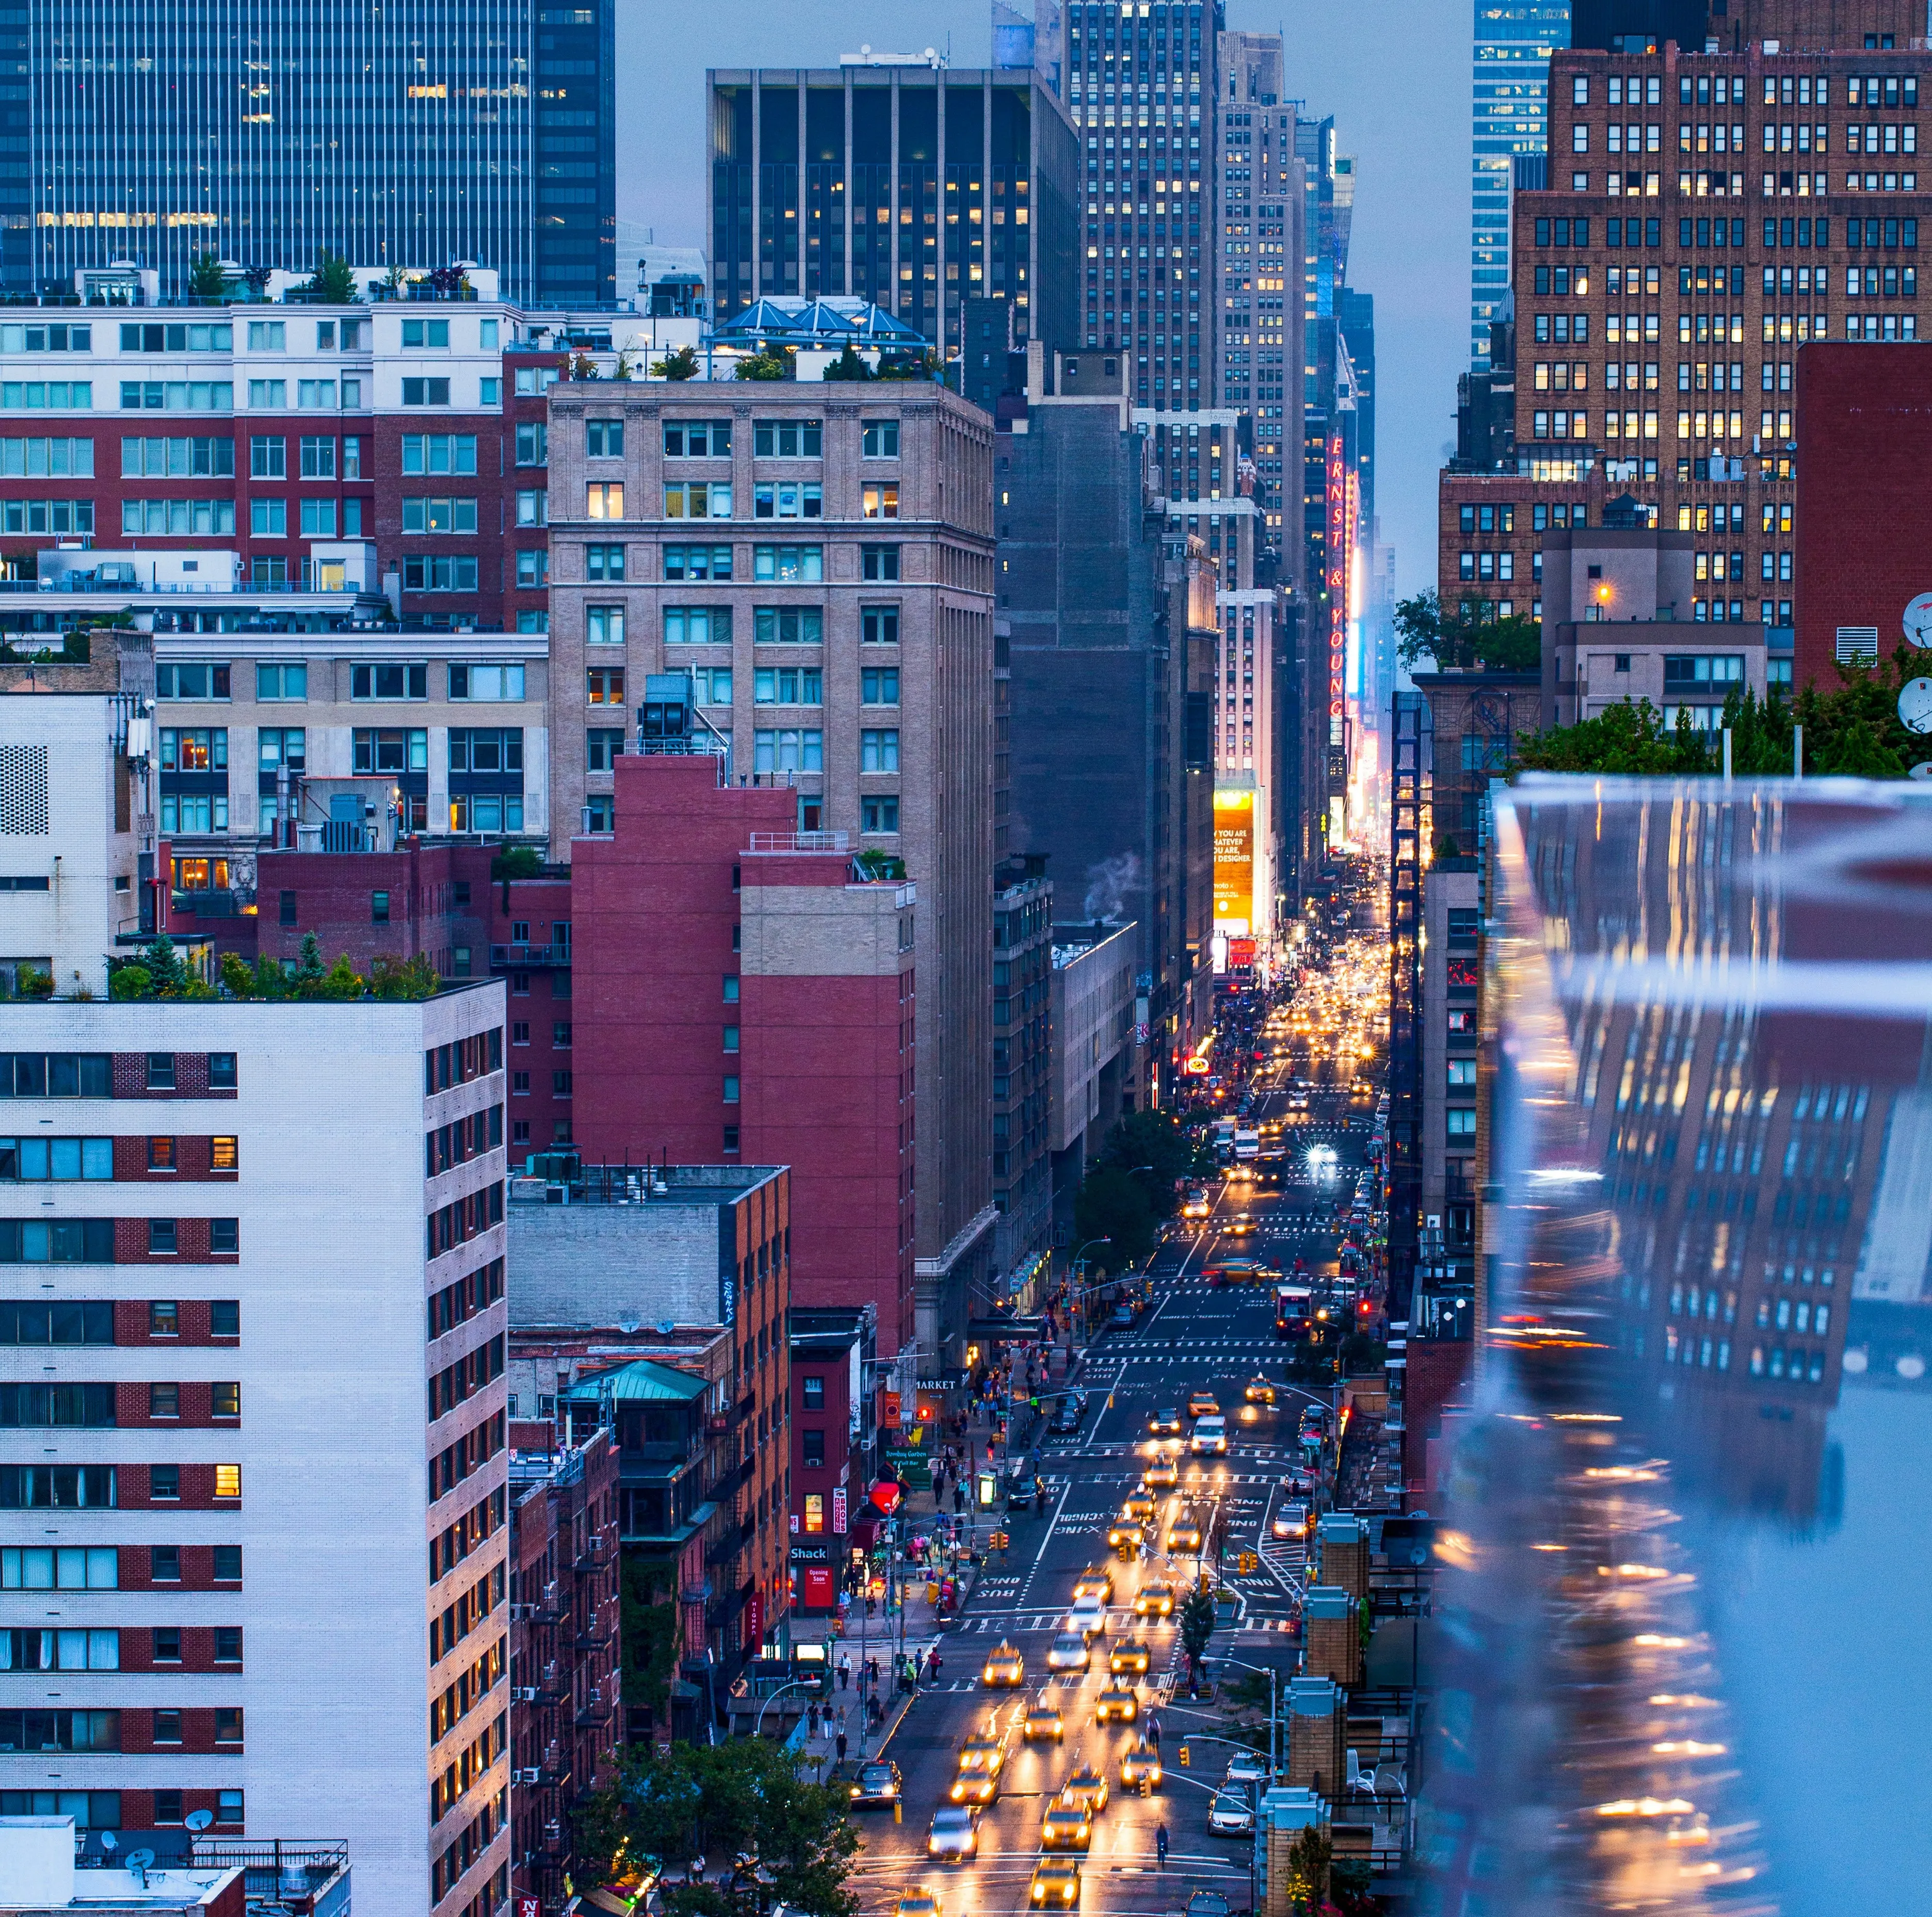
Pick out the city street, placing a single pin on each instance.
(1194, 1337)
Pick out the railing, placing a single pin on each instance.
(801, 841)
(739, 1475)
(91, 583)
(523, 956)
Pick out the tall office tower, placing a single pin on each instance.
(844, 649)
(1513, 41)
(901, 182)
(1662, 302)
(255, 1505)
(470, 130)
(1139, 75)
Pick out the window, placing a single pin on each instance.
(161, 1155)
(268, 395)
(31, 394)
(481, 682)
(731, 1033)
(879, 438)
(879, 625)
(221, 1075)
(164, 1400)
(788, 749)
(227, 1477)
(1682, 672)
(441, 572)
(533, 506)
(698, 499)
(602, 746)
(789, 685)
(318, 458)
(813, 1449)
(786, 439)
(730, 989)
(698, 439)
(63, 458)
(879, 812)
(60, 1568)
(197, 748)
(789, 625)
(532, 445)
(533, 569)
(606, 500)
(605, 686)
(603, 439)
(315, 395)
(191, 682)
(438, 452)
(224, 1318)
(33, 1160)
(422, 514)
(697, 562)
(486, 749)
(712, 684)
(879, 751)
(390, 749)
(879, 562)
(603, 562)
(730, 1088)
(813, 1388)
(786, 564)
(388, 682)
(814, 1502)
(269, 519)
(228, 1564)
(880, 500)
(786, 499)
(318, 519)
(879, 686)
(379, 908)
(228, 1644)
(214, 337)
(267, 458)
(604, 625)
(224, 1154)
(428, 392)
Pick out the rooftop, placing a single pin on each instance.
(560, 1177)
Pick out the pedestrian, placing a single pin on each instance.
(1153, 1728)
(932, 1665)
(958, 1495)
(839, 1742)
(812, 1717)
(871, 1605)
(872, 1673)
(844, 1670)
(1160, 1845)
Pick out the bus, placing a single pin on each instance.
(1247, 1142)
(1292, 1311)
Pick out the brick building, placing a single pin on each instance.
(1867, 418)
(833, 1432)
(842, 648)
(1707, 215)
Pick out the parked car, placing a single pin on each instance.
(877, 1785)
(1232, 1812)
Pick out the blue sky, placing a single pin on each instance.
(1394, 73)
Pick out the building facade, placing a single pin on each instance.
(230, 1612)
(475, 130)
(910, 184)
(842, 650)
(1022, 1082)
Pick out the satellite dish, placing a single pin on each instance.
(627, 1325)
(1915, 705)
(139, 1861)
(198, 1820)
(1917, 620)
(1923, 770)
(109, 1840)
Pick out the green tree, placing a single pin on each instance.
(341, 981)
(1151, 1147)
(1425, 629)
(1113, 1205)
(1854, 729)
(1628, 737)
(770, 364)
(850, 365)
(165, 970)
(749, 1796)
(1308, 1864)
(308, 974)
(207, 278)
(1197, 1625)
(680, 365)
(238, 976)
(334, 281)
(131, 981)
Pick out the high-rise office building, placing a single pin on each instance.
(266, 132)
(1513, 41)
(1137, 80)
(904, 183)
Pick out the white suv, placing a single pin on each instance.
(1209, 1435)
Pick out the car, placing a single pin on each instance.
(1210, 1436)
(1139, 1506)
(1259, 1391)
(977, 1787)
(1087, 1789)
(1231, 1814)
(921, 1903)
(1161, 1474)
(1095, 1581)
(1088, 1616)
(1065, 1827)
(1124, 1536)
(1131, 1659)
(1206, 1903)
(1140, 1767)
(1067, 1414)
(1043, 1722)
(1023, 1487)
(955, 1834)
(1119, 1703)
(1004, 1669)
(1297, 1101)
(1123, 1314)
(1068, 1653)
(1056, 1884)
(1289, 1521)
(1241, 1225)
(876, 1786)
(1202, 1404)
(1154, 1599)
(1247, 1767)
(1165, 1423)
(1184, 1536)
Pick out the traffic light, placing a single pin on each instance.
(1184, 1758)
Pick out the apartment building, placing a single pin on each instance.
(216, 1604)
(1707, 215)
(1022, 1076)
(842, 647)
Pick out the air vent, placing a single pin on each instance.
(1857, 642)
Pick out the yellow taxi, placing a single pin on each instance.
(1124, 1535)
(1131, 1658)
(921, 1903)
(1065, 1827)
(1095, 1581)
(1259, 1391)
(1086, 1790)
(1118, 1704)
(1139, 1506)
(1056, 1885)
(1154, 1599)
(1161, 1474)
(1004, 1669)
(1203, 1404)
(1184, 1536)
(1043, 1723)
(1140, 1767)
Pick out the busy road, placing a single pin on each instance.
(1206, 1348)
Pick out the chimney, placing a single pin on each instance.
(1317, 1718)
(1334, 1646)
(1342, 1540)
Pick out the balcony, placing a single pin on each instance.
(730, 1542)
(720, 1611)
(520, 956)
(593, 1557)
(738, 1475)
(720, 1424)
(596, 1709)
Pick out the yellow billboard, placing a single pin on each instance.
(1234, 861)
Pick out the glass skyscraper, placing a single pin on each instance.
(263, 131)
(1513, 41)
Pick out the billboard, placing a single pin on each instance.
(1234, 860)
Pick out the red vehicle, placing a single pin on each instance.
(1292, 1310)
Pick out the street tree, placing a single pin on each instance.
(1197, 1626)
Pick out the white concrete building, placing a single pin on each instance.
(253, 1474)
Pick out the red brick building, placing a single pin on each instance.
(752, 992)
(1863, 517)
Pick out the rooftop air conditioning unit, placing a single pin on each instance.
(524, 1694)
